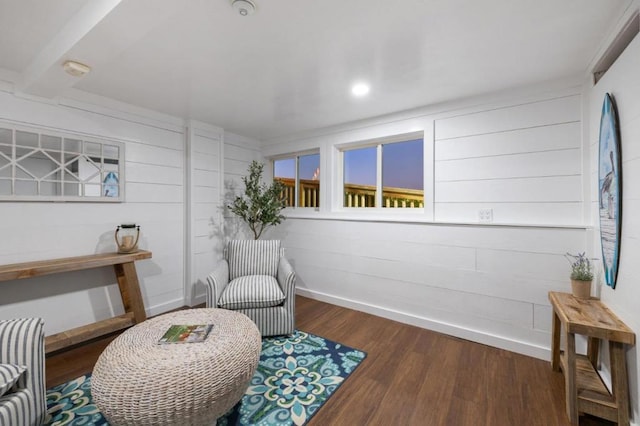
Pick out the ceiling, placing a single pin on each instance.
(288, 68)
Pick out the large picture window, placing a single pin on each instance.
(301, 176)
(387, 174)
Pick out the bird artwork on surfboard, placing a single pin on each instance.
(610, 188)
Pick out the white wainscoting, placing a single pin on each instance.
(621, 81)
(204, 157)
(487, 284)
(239, 152)
(522, 157)
(214, 230)
(154, 152)
(524, 161)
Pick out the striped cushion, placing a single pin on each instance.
(16, 409)
(253, 257)
(9, 375)
(255, 291)
(22, 343)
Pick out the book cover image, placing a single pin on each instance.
(186, 333)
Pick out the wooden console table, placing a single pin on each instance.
(125, 270)
(584, 388)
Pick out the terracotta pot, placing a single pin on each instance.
(581, 289)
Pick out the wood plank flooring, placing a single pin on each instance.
(411, 376)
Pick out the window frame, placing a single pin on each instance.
(378, 143)
(296, 156)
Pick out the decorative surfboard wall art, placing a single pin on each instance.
(610, 190)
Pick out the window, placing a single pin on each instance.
(360, 177)
(285, 171)
(388, 174)
(301, 177)
(403, 174)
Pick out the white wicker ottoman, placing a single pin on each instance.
(136, 381)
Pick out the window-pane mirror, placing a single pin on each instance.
(39, 165)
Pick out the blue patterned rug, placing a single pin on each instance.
(295, 377)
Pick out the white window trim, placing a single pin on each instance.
(295, 155)
(331, 179)
(421, 214)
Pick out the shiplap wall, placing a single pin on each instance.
(205, 151)
(487, 284)
(521, 157)
(239, 152)
(523, 161)
(154, 150)
(622, 81)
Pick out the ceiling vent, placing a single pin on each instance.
(616, 48)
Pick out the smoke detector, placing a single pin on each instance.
(244, 7)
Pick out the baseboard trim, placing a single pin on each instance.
(198, 300)
(501, 342)
(165, 307)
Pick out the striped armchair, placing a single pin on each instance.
(22, 369)
(256, 279)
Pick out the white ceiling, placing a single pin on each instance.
(288, 68)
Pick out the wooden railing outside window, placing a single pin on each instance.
(354, 195)
(309, 192)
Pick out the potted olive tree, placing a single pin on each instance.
(581, 275)
(261, 205)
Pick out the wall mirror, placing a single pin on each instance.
(43, 165)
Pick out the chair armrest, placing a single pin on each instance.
(216, 282)
(286, 277)
(23, 344)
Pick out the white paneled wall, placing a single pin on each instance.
(154, 150)
(522, 157)
(488, 284)
(239, 152)
(622, 81)
(523, 161)
(205, 151)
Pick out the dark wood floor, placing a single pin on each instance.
(411, 376)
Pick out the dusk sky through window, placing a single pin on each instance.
(308, 164)
(285, 168)
(402, 165)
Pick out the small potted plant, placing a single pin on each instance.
(581, 275)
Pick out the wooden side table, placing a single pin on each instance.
(585, 391)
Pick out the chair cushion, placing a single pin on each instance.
(9, 375)
(253, 257)
(253, 291)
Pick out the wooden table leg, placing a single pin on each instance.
(130, 290)
(555, 342)
(570, 379)
(619, 384)
(593, 349)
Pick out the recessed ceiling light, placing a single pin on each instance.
(360, 89)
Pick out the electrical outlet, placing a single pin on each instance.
(485, 215)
